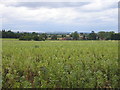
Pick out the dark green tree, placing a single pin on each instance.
(26, 37)
(92, 36)
(63, 35)
(115, 36)
(44, 35)
(75, 35)
(38, 38)
(102, 35)
(105, 35)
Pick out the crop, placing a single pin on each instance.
(60, 64)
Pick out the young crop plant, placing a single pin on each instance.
(60, 64)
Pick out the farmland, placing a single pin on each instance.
(59, 64)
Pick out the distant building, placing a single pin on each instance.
(67, 38)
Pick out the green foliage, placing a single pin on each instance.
(10, 34)
(38, 38)
(105, 35)
(44, 35)
(26, 37)
(92, 36)
(115, 36)
(60, 64)
(75, 35)
(102, 35)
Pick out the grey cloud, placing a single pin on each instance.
(49, 4)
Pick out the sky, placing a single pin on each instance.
(60, 16)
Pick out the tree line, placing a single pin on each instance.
(102, 35)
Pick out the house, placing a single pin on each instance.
(67, 38)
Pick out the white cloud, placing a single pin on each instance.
(58, 0)
(55, 14)
(99, 5)
(96, 11)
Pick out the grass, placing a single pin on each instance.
(60, 64)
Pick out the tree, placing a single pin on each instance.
(102, 35)
(34, 33)
(75, 35)
(92, 36)
(44, 35)
(36, 38)
(26, 37)
(115, 36)
(82, 36)
(105, 35)
(41, 38)
(63, 35)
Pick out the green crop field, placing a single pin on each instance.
(59, 64)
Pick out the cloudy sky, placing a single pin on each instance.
(84, 16)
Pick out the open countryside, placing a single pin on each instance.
(60, 64)
(70, 44)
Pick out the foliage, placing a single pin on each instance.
(102, 35)
(115, 36)
(60, 64)
(44, 35)
(92, 36)
(63, 35)
(10, 34)
(75, 35)
(38, 38)
(105, 35)
(26, 37)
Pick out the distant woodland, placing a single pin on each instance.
(102, 35)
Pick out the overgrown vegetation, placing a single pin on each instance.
(60, 64)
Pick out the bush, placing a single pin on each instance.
(38, 38)
(28, 38)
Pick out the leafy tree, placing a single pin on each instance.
(44, 35)
(81, 33)
(36, 38)
(75, 35)
(115, 36)
(83, 37)
(102, 35)
(109, 35)
(92, 36)
(41, 38)
(26, 37)
(34, 33)
(105, 35)
(63, 35)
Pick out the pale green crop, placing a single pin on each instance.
(60, 64)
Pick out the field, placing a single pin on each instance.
(60, 64)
